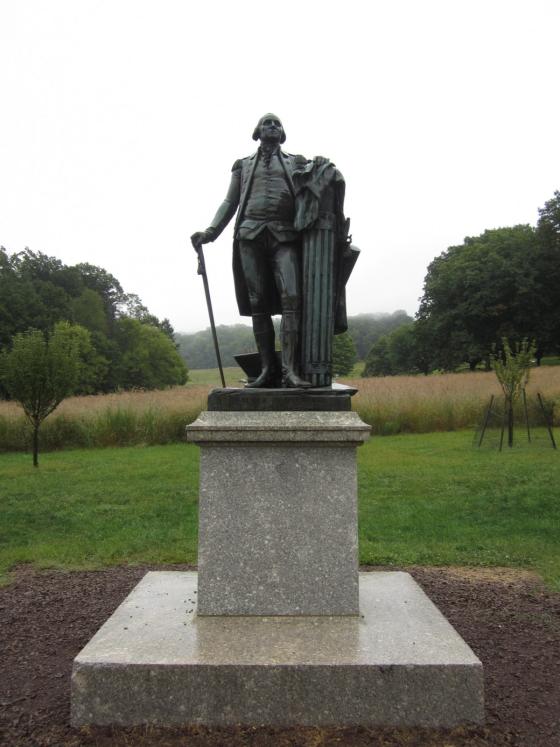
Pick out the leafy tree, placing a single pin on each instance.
(344, 354)
(36, 291)
(10, 301)
(480, 291)
(402, 349)
(147, 358)
(547, 268)
(167, 328)
(107, 286)
(29, 296)
(377, 361)
(37, 265)
(88, 310)
(395, 353)
(366, 329)
(423, 353)
(136, 309)
(40, 371)
(512, 369)
(93, 366)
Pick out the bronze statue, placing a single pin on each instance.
(289, 221)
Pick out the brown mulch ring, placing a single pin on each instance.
(508, 617)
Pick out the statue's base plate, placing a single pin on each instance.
(335, 398)
(156, 661)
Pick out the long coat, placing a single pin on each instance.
(242, 174)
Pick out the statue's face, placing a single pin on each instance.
(271, 129)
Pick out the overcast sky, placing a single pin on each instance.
(120, 121)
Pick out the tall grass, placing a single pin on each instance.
(124, 419)
(391, 405)
(446, 402)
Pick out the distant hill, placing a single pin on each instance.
(366, 329)
(197, 348)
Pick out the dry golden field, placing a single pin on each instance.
(175, 399)
(393, 404)
(120, 419)
(421, 404)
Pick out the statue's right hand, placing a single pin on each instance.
(199, 238)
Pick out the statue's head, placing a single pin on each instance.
(269, 128)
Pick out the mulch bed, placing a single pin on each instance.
(510, 620)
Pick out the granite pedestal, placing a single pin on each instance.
(278, 627)
(278, 526)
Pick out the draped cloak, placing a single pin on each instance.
(327, 261)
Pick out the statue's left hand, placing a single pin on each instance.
(321, 160)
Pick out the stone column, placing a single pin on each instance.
(278, 530)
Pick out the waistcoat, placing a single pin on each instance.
(270, 198)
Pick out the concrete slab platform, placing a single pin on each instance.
(399, 662)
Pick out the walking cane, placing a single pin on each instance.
(202, 271)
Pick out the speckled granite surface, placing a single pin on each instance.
(156, 661)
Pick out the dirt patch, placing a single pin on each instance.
(492, 575)
(509, 619)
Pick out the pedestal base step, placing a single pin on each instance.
(155, 661)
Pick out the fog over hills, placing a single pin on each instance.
(198, 348)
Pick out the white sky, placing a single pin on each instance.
(120, 120)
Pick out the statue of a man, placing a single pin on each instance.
(267, 248)
(291, 254)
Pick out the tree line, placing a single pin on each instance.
(501, 285)
(364, 330)
(120, 344)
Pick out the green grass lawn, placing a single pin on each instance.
(87, 508)
(429, 499)
(233, 375)
(434, 499)
(211, 376)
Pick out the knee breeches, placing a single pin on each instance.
(268, 264)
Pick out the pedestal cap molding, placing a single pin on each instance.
(292, 427)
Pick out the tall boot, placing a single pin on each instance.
(263, 330)
(289, 338)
